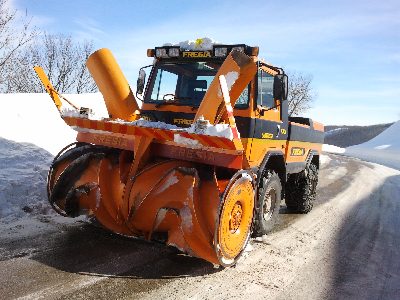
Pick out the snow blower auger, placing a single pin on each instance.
(190, 187)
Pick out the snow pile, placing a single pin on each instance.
(332, 149)
(70, 112)
(201, 126)
(230, 78)
(384, 149)
(204, 127)
(23, 173)
(86, 113)
(199, 44)
(186, 141)
(158, 125)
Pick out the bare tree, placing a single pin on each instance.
(20, 50)
(301, 94)
(14, 34)
(85, 82)
(63, 60)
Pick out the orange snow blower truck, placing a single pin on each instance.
(202, 164)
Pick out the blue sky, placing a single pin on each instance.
(352, 48)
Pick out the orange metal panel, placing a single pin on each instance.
(228, 160)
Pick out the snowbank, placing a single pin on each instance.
(33, 118)
(384, 149)
(332, 149)
(23, 172)
(387, 140)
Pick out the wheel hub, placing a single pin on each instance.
(236, 217)
(269, 201)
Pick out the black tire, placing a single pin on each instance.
(301, 190)
(268, 203)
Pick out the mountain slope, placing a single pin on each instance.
(346, 136)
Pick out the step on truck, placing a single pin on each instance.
(200, 157)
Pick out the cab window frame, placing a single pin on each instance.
(152, 82)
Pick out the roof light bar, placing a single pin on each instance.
(219, 51)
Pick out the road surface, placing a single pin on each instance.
(346, 247)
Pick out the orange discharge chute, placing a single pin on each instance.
(132, 181)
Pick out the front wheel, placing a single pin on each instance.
(268, 204)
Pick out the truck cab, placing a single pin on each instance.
(180, 78)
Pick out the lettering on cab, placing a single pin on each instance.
(196, 54)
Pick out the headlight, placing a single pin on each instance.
(220, 52)
(241, 49)
(173, 52)
(161, 52)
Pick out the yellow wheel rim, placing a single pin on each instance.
(235, 220)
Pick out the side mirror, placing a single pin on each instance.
(141, 82)
(280, 86)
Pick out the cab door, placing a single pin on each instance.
(270, 132)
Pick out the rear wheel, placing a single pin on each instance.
(268, 204)
(301, 190)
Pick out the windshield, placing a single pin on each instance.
(184, 83)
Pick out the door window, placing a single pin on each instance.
(265, 96)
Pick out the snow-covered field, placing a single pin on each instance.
(384, 149)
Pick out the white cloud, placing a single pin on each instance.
(89, 29)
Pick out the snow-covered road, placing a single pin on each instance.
(347, 247)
